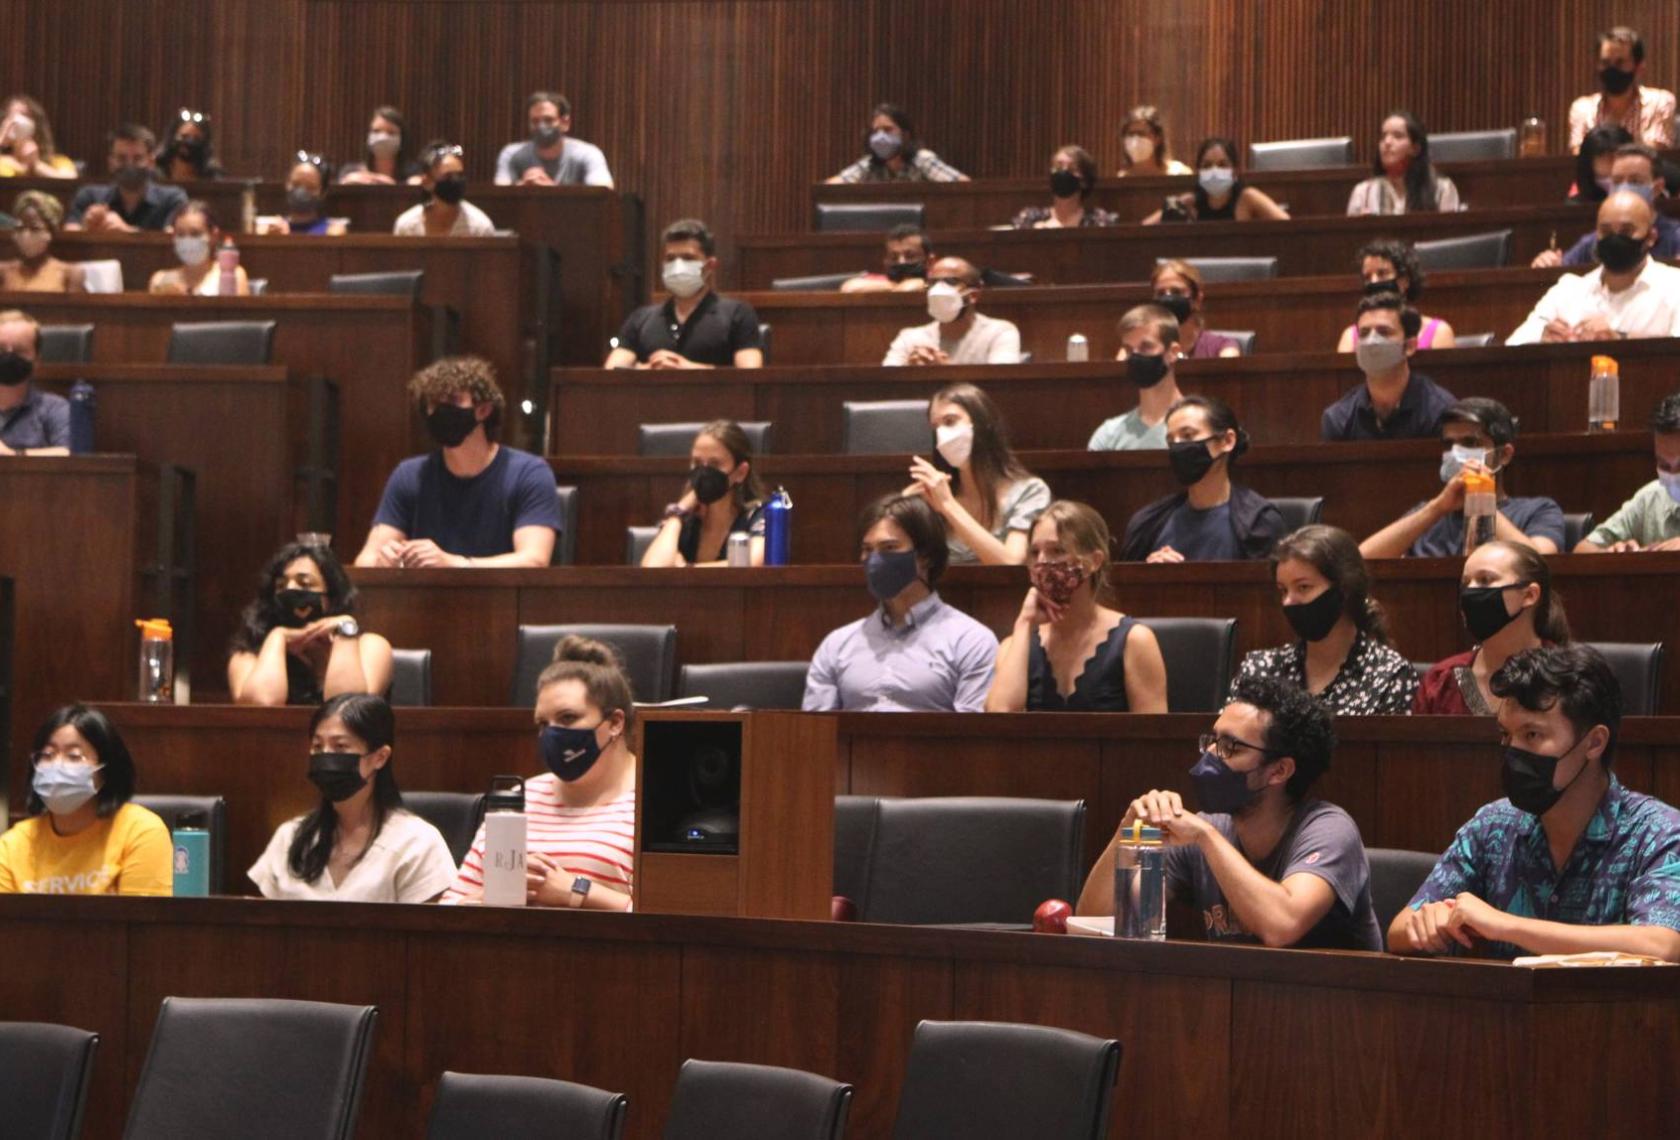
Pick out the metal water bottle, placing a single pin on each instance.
(778, 529)
(83, 404)
(227, 262)
(504, 842)
(157, 662)
(192, 856)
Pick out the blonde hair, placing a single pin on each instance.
(50, 208)
(597, 665)
(1183, 269)
(1084, 532)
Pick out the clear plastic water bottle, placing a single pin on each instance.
(227, 261)
(83, 404)
(778, 529)
(1140, 885)
(1078, 349)
(1604, 395)
(157, 662)
(1481, 503)
(1531, 137)
(504, 842)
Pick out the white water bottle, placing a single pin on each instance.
(504, 842)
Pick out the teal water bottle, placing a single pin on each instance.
(192, 856)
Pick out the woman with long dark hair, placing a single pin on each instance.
(1405, 180)
(893, 153)
(389, 157)
(1593, 164)
(188, 153)
(723, 497)
(1220, 195)
(358, 844)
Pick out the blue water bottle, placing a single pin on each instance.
(83, 403)
(778, 529)
(192, 856)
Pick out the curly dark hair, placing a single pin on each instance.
(1665, 419)
(440, 380)
(1574, 677)
(1298, 725)
(264, 611)
(1402, 256)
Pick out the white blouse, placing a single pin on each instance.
(407, 862)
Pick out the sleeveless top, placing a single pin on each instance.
(1100, 686)
(52, 277)
(1426, 335)
(1225, 213)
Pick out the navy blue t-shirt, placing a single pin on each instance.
(473, 517)
(1201, 536)
(1537, 517)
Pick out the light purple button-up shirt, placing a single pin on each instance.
(939, 660)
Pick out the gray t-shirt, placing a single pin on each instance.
(1323, 840)
(1018, 509)
(42, 420)
(1128, 433)
(579, 164)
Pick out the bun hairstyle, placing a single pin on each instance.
(1334, 553)
(598, 666)
(1082, 532)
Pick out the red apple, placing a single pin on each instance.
(1051, 917)
(842, 909)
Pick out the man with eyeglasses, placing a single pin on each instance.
(1261, 861)
(959, 332)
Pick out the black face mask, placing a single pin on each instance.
(15, 369)
(1146, 371)
(300, 607)
(132, 177)
(451, 191)
(1175, 303)
(1064, 183)
(302, 201)
(1615, 80)
(190, 149)
(1527, 779)
(1620, 252)
(1377, 288)
(1313, 621)
(546, 135)
(1484, 609)
(905, 270)
(1190, 461)
(451, 424)
(338, 775)
(709, 484)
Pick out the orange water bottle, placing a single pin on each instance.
(1481, 503)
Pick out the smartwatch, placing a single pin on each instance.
(580, 892)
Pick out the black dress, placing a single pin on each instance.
(1100, 686)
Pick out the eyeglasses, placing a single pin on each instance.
(72, 755)
(1225, 747)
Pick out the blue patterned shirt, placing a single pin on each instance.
(1624, 871)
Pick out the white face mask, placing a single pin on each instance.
(64, 786)
(1378, 357)
(945, 303)
(21, 127)
(684, 277)
(193, 251)
(1139, 148)
(1217, 180)
(1671, 484)
(954, 442)
(31, 243)
(383, 143)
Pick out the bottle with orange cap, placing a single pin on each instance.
(157, 661)
(1604, 395)
(1481, 503)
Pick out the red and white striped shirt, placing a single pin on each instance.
(595, 841)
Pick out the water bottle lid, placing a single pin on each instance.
(507, 793)
(1605, 364)
(1139, 833)
(156, 628)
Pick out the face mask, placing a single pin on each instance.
(1190, 461)
(1484, 609)
(23, 127)
(684, 277)
(15, 369)
(905, 270)
(1454, 459)
(1644, 189)
(1527, 778)
(1219, 789)
(888, 572)
(1057, 581)
(1147, 371)
(1064, 183)
(190, 149)
(64, 786)
(337, 775)
(884, 144)
(1216, 181)
(945, 303)
(1313, 620)
(1374, 288)
(303, 201)
(1670, 482)
(383, 144)
(131, 177)
(192, 251)
(954, 442)
(300, 607)
(1178, 304)
(1139, 148)
(568, 752)
(1379, 357)
(451, 424)
(709, 484)
(451, 190)
(1620, 252)
(31, 243)
(546, 135)
(1615, 80)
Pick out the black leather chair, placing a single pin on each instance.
(717, 1099)
(405, 283)
(1299, 512)
(66, 344)
(749, 684)
(257, 1068)
(677, 438)
(1475, 340)
(849, 217)
(649, 653)
(213, 810)
(1395, 877)
(1200, 655)
(456, 815)
(885, 427)
(1472, 146)
(1225, 270)
(221, 342)
(1576, 526)
(764, 329)
(855, 821)
(1491, 250)
(1638, 667)
(816, 283)
(636, 541)
(44, 1071)
(987, 1080)
(565, 543)
(1244, 338)
(411, 678)
(1300, 154)
(972, 860)
(472, 1107)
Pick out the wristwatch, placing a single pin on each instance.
(675, 511)
(349, 627)
(580, 891)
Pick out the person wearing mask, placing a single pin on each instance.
(1073, 175)
(132, 200)
(903, 268)
(359, 844)
(1178, 289)
(306, 188)
(1220, 194)
(581, 812)
(986, 498)
(1646, 113)
(1143, 145)
(1405, 180)
(1149, 347)
(1477, 434)
(35, 270)
(1343, 657)
(388, 160)
(1261, 861)
(32, 422)
(913, 653)
(1594, 163)
(959, 333)
(187, 153)
(1650, 520)
(1509, 607)
(1630, 294)
(1569, 861)
(894, 154)
(1389, 265)
(551, 156)
(722, 498)
(1394, 402)
(1068, 652)
(26, 142)
(298, 642)
(473, 502)
(196, 239)
(83, 836)
(446, 211)
(1638, 169)
(1214, 518)
(696, 327)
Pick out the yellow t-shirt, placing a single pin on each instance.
(130, 853)
(9, 167)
